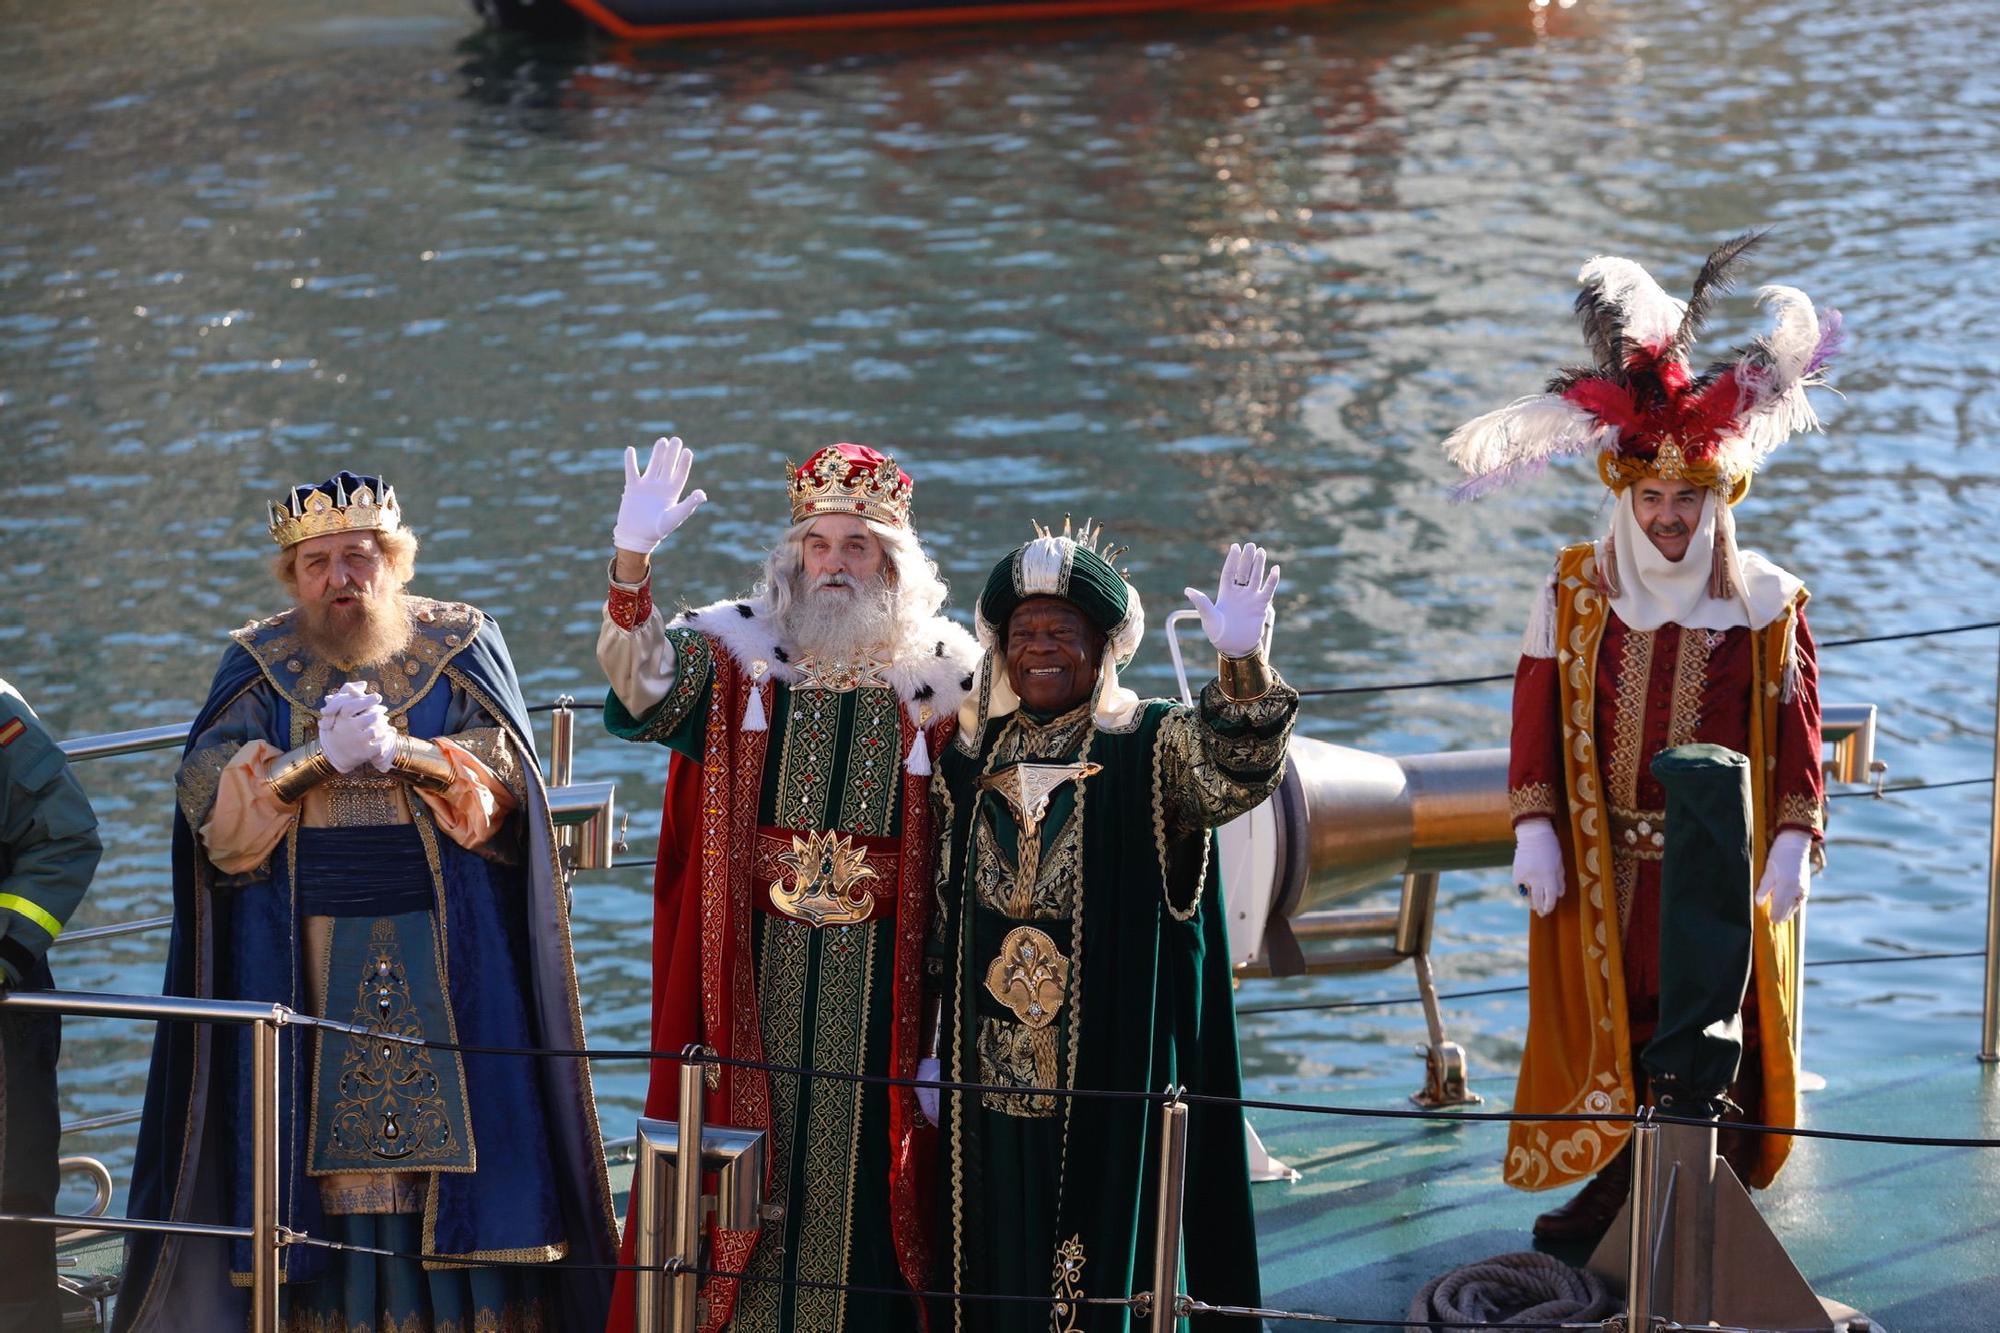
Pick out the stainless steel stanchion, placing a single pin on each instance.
(683, 1314)
(1167, 1229)
(1989, 1030)
(1644, 1235)
(264, 1259)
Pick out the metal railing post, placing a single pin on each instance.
(1167, 1207)
(1989, 1028)
(1644, 1240)
(562, 741)
(683, 1315)
(264, 1123)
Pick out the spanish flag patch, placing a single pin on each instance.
(11, 728)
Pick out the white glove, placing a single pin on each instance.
(927, 1098)
(353, 739)
(652, 507)
(1538, 864)
(353, 697)
(1787, 879)
(1234, 621)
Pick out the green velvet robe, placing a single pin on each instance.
(1109, 971)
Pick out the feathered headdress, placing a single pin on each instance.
(1639, 408)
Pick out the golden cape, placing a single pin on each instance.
(1578, 1056)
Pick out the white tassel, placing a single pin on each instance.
(1540, 638)
(753, 711)
(1790, 677)
(919, 762)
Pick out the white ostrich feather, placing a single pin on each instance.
(1650, 316)
(1524, 436)
(1794, 333)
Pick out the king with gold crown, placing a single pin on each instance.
(795, 872)
(361, 833)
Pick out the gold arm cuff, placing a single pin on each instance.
(422, 764)
(1244, 680)
(297, 772)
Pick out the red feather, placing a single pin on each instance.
(1610, 403)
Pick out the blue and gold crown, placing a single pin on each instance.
(344, 502)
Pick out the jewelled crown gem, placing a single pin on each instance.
(850, 479)
(331, 506)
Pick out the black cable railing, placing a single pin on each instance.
(1451, 682)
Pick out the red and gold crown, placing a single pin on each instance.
(343, 502)
(851, 479)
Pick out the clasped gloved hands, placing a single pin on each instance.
(354, 729)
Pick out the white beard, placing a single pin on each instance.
(841, 626)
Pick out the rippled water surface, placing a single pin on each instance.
(1203, 278)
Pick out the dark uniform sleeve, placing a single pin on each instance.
(48, 839)
(1221, 758)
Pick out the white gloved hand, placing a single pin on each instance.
(1787, 878)
(382, 737)
(652, 507)
(350, 739)
(353, 697)
(1538, 864)
(927, 1098)
(1234, 621)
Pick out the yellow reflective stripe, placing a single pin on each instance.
(33, 912)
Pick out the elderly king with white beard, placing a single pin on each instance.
(794, 882)
(362, 834)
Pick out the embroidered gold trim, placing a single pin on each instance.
(200, 779)
(1067, 1313)
(1638, 834)
(1690, 684)
(1628, 718)
(1021, 1057)
(874, 765)
(1802, 811)
(805, 759)
(1536, 798)
(491, 747)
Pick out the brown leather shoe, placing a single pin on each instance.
(1590, 1212)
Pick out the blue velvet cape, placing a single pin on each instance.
(512, 983)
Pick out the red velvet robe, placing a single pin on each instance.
(1646, 692)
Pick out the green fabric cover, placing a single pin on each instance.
(1705, 912)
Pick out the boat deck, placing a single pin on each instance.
(1908, 1234)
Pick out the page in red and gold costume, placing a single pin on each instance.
(1587, 724)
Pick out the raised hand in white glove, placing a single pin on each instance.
(927, 1098)
(1234, 621)
(652, 507)
(1538, 864)
(1787, 878)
